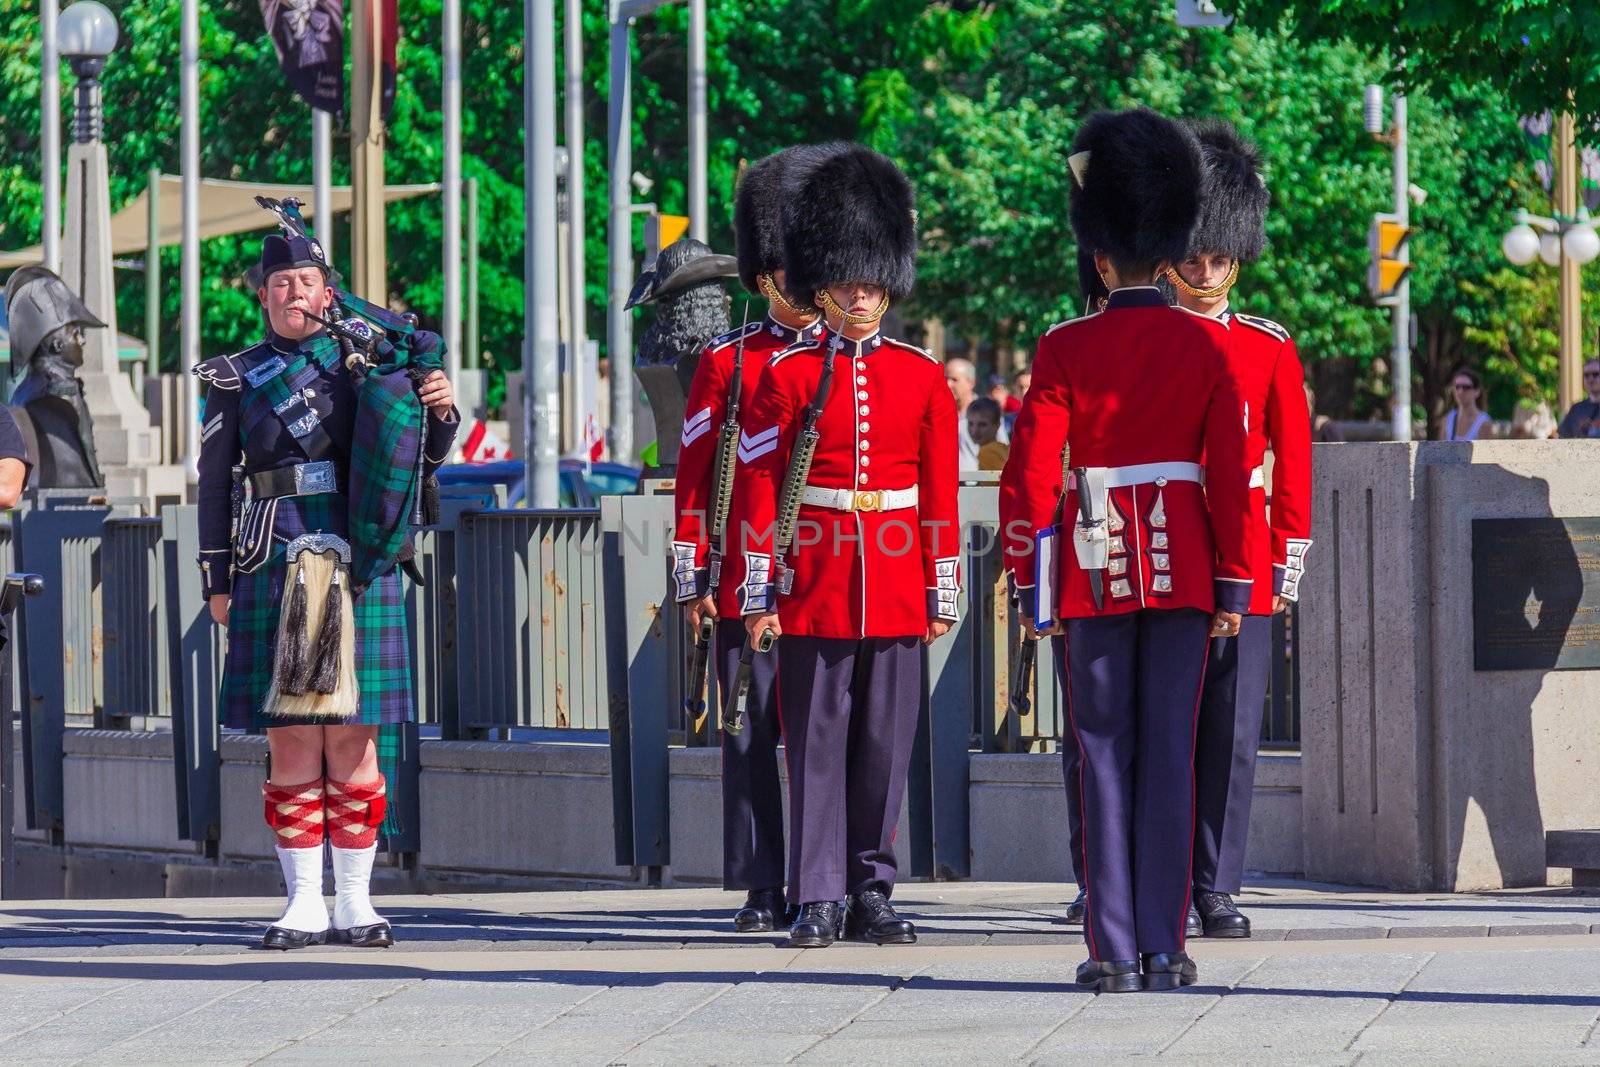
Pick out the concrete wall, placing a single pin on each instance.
(500, 816)
(1420, 772)
(1019, 818)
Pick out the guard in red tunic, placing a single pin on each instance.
(1146, 564)
(704, 574)
(1232, 231)
(848, 516)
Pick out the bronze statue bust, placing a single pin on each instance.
(47, 323)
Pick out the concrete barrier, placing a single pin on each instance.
(500, 816)
(1421, 772)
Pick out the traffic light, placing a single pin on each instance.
(1390, 260)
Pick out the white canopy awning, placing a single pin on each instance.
(225, 207)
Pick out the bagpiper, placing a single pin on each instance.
(850, 539)
(1145, 564)
(1231, 232)
(312, 459)
(704, 573)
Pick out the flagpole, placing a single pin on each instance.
(50, 134)
(189, 155)
(451, 60)
(322, 178)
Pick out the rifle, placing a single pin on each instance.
(694, 704)
(794, 483)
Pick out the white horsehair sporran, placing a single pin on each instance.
(314, 660)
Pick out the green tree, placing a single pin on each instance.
(1537, 52)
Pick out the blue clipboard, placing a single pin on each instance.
(1044, 578)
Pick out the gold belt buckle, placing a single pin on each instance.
(868, 500)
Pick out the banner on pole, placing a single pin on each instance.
(309, 38)
(391, 62)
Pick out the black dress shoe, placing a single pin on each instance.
(281, 937)
(1111, 976)
(868, 917)
(1220, 916)
(817, 926)
(763, 910)
(1078, 910)
(376, 935)
(1168, 970)
(1192, 926)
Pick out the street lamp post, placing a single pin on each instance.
(86, 34)
(1566, 240)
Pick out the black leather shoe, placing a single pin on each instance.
(1111, 976)
(1078, 910)
(1192, 926)
(868, 917)
(282, 937)
(1168, 970)
(817, 926)
(1219, 915)
(377, 935)
(763, 910)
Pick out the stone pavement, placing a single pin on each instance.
(638, 977)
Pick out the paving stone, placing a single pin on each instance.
(1337, 933)
(1547, 929)
(1441, 931)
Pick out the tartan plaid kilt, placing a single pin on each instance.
(383, 655)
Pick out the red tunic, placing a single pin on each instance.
(1139, 383)
(1272, 384)
(695, 489)
(889, 424)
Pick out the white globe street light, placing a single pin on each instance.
(1550, 249)
(1520, 244)
(86, 30)
(1580, 242)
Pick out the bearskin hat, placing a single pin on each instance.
(759, 204)
(851, 218)
(1136, 186)
(1233, 196)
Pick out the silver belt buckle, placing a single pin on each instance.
(313, 478)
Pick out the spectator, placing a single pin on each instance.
(1584, 418)
(1322, 427)
(1467, 420)
(962, 377)
(983, 426)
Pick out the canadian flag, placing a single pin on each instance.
(482, 446)
(594, 441)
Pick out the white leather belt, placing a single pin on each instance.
(1141, 473)
(1144, 473)
(859, 499)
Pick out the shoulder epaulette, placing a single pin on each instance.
(219, 372)
(1264, 325)
(909, 347)
(813, 345)
(733, 335)
(1068, 322)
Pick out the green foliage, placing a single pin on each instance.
(1538, 53)
(978, 100)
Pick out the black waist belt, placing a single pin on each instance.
(302, 479)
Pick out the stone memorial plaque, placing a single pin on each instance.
(1536, 594)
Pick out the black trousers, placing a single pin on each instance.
(850, 711)
(1069, 773)
(1133, 693)
(752, 798)
(1226, 742)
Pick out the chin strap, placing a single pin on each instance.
(831, 307)
(1203, 294)
(775, 297)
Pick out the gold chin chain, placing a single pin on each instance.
(831, 307)
(1203, 294)
(774, 295)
